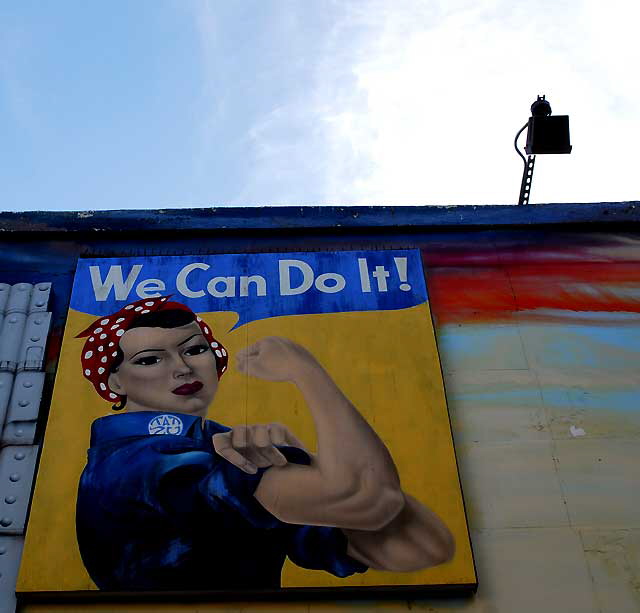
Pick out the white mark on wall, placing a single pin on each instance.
(576, 431)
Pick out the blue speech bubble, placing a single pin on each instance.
(256, 285)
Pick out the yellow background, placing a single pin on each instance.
(386, 362)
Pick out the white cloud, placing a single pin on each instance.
(416, 102)
(447, 90)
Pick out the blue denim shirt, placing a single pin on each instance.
(159, 509)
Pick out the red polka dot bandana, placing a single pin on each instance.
(104, 334)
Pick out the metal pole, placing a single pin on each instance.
(527, 178)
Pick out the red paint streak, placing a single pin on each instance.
(494, 294)
(562, 249)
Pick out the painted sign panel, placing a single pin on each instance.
(248, 422)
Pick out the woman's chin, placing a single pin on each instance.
(191, 406)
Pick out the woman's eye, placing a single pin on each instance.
(195, 350)
(147, 360)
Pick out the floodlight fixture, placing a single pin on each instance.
(545, 134)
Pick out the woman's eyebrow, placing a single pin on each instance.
(186, 340)
(143, 350)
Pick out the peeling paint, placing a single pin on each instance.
(268, 217)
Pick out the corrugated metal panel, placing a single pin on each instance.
(10, 554)
(24, 327)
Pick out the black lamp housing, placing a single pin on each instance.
(545, 134)
(548, 134)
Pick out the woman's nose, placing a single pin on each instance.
(181, 368)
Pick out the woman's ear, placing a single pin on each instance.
(114, 383)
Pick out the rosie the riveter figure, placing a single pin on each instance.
(171, 501)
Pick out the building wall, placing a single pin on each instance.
(538, 331)
(538, 337)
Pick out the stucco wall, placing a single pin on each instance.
(538, 338)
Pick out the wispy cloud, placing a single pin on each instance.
(418, 103)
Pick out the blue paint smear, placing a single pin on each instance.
(472, 347)
(321, 282)
(606, 348)
(496, 398)
(609, 347)
(577, 398)
(625, 401)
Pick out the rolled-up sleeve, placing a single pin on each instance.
(234, 488)
(173, 477)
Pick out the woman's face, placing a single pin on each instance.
(166, 369)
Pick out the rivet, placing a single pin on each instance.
(14, 477)
(6, 522)
(40, 303)
(43, 287)
(3, 550)
(23, 403)
(19, 455)
(37, 321)
(35, 339)
(13, 319)
(10, 499)
(19, 432)
(27, 384)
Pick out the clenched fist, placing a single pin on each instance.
(275, 359)
(253, 447)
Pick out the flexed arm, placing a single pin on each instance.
(352, 482)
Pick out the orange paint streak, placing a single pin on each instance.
(494, 294)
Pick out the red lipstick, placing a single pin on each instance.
(188, 388)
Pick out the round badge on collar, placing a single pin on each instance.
(165, 424)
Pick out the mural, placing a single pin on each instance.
(326, 460)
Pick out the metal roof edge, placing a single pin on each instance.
(314, 217)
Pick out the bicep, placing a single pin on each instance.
(298, 494)
(305, 495)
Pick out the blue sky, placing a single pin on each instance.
(177, 103)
